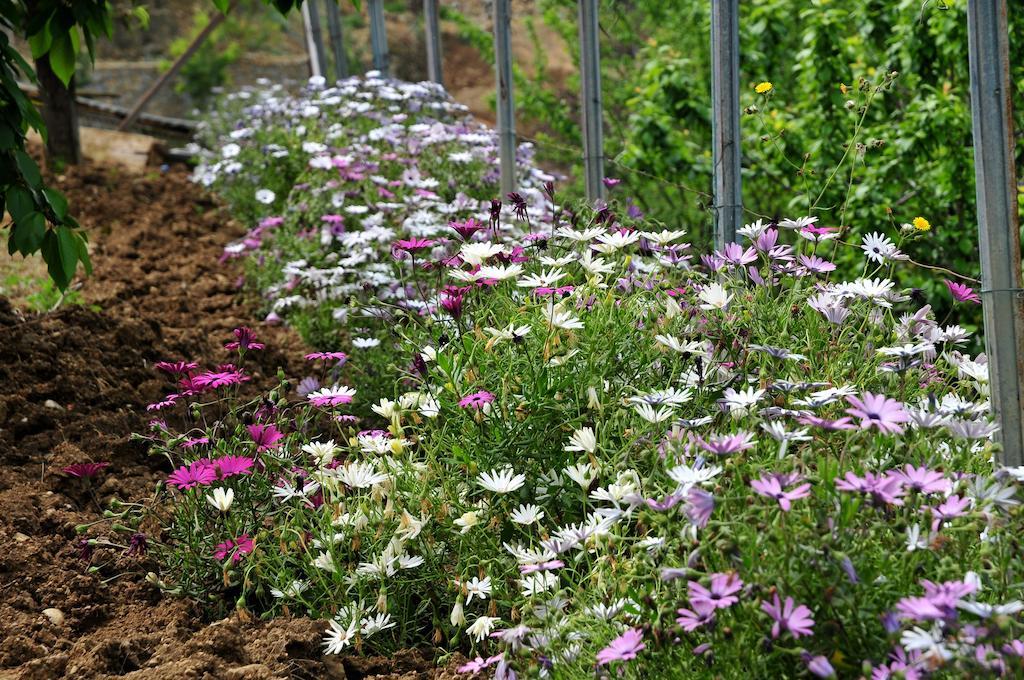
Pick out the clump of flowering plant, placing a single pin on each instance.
(583, 448)
(622, 474)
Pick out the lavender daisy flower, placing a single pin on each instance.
(877, 410)
(788, 616)
(702, 614)
(726, 444)
(623, 648)
(770, 486)
(700, 505)
(721, 594)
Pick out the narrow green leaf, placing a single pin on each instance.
(41, 41)
(62, 57)
(57, 201)
(76, 41)
(8, 140)
(29, 233)
(51, 256)
(20, 202)
(29, 169)
(67, 242)
(222, 5)
(82, 248)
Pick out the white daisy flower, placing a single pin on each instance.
(537, 583)
(527, 514)
(502, 481)
(359, 475)
(221, 498)
(478, 588)
(714, 296)
(482, 627)
(558, 317)
(371, 625)
(338, 637)
(582, 439)
(583, 474)
(321, 452)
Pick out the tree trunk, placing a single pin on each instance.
(60, 115)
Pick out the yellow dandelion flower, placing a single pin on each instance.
(921, 224)
(763, 88)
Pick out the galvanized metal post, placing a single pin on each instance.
(314, 39)
(506, 106)
(725, 119)
(590, 67)
(378, 36)
(337, 43)
(998, 227)
(432, 30)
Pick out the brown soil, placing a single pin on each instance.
(73, 387)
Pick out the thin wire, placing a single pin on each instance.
(703, 194)
(1002, 290)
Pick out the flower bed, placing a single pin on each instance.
(575, 445)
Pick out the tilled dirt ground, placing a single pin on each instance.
(73, 387)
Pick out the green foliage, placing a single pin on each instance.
(207, 69)
(39, 216)
(913, 152)
(54, 29)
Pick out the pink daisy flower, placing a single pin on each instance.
(192, 475)
(236, 547)
(244, 340)
(229, 466)
(961, 292)
(84, 469)
(265, 436)
(176, 367)
(476, 400)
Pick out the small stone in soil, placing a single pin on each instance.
(56, 616)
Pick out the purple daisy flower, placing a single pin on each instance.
(923, 480)
(725, 444)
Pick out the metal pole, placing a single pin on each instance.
(506, 105)
(337, 44)
(432, 28)
(998, 229)
(590, 65)
(314, 39)
(136, 109)
(725, 119)
(378, 36)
